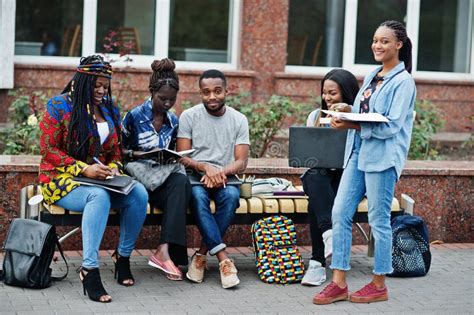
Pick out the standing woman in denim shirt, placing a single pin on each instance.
(374, 159)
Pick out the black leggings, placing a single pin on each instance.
(321, 187)
(173, 198)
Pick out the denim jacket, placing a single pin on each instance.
(385, 145)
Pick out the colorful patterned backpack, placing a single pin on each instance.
(276, 254)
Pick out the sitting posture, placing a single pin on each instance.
(320, 184)
(151, 126)
(79, 127)
(220, 136)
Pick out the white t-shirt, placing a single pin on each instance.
(213, 138)
(103, 129)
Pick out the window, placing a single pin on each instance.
(48, 27)
(445, 36)
(316, 33)
(440, 31)
(203, 41)
(370, 13)
(130, 29)
(201, 34)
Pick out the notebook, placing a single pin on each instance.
(195, 179)
(119, 184)
(317, 147)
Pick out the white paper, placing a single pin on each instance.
(368, 117)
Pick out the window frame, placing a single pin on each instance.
(162, 29)
(412, 25)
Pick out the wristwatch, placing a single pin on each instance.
(130, 155)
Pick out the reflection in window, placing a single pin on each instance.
(199, 30)
(445, 36)
(48, 27)
(315, 33)
(126, 26)
(370, 14)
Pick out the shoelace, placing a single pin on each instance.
(369, 288)
(200, 262)
(329, 288)
(227, 268)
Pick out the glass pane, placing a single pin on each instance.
(315, 33)
(199, 30)
(444, 36)
(370, 13)
(48, 27)
(126, 27)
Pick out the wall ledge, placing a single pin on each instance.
(29, 163)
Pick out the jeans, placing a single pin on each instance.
(321, 187)
(379, 188)
(94, 203)
(213, 226)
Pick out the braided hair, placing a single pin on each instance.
(401, 34)
(163, 74)
(80, 89)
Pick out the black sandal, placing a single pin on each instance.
(92, 284)
(122, 269)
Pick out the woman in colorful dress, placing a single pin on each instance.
(80, 136)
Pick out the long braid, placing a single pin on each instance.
(401, 34)
(163, 74)
(82, 121)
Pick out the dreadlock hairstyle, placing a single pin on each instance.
(80, 89)
(347, 83)
(163, 74)
(401, 34)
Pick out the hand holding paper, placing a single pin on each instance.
(369, 117)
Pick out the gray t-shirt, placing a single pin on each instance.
(213, 137)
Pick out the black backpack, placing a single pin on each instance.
(411, 256)
(29, 250)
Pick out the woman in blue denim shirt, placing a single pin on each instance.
(374, 159)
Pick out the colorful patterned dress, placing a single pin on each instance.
(57, 168)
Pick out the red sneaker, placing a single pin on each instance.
(330, 294)
(370, 293)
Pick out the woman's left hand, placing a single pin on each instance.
(115, 172)
(343, 124)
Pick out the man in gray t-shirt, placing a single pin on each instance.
(220, 137)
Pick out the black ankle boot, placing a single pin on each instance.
(92, 284)
(122, 269)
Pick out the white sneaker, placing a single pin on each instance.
(228, 272)
(196, 268)
(315, 275)
(327, 239)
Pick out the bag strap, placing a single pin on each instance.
(58, 245)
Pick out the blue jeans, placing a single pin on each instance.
(379, 188)
(94, 203)
(213, 226)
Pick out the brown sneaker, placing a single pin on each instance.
(196, 268)
(370, 293)
(330, 294)
(228, 271)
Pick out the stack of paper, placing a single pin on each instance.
(368, 117)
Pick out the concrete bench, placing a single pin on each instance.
(248, 211)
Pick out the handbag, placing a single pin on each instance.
(29, 250)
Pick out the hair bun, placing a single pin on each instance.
(163, 65)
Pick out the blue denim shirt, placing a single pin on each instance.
(385, 145)
(138, 132)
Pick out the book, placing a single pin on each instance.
(163, 156)
(119, 184)
(368, 117)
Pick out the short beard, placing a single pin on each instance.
(213, 111)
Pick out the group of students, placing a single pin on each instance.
(83, 124)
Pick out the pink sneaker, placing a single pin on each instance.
(330, 294)
(368, 294)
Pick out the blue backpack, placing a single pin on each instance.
(411, 256)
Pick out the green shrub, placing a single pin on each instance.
(24, 112)
(428, 120)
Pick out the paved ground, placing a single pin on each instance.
(448, 289)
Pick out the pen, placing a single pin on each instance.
(100, 163)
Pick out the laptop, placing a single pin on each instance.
(317, 147)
